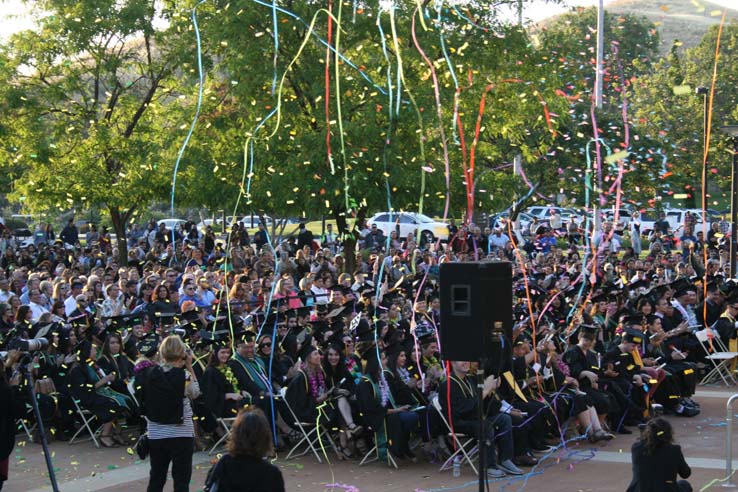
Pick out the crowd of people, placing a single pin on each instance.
(602, 340)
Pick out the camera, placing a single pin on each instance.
(31, 345)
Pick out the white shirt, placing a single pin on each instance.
(37, 310)
(321, 294)
(70, 304)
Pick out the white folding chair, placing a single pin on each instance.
(464, 444)
(311, 432)
(87, 418)
(373, 455)
(719, 357)
(131, 387)
(21, 424)
(225, 424)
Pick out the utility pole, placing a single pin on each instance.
(600, 53)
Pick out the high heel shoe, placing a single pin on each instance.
(118, 439)
(107, 441)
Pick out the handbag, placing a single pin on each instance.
(212, 481)
(142, 446)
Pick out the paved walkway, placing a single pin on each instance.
(578, 467)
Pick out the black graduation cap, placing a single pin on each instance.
(633, 320)
(589, 329)
(218, 337)
(274, 317)
(364, 331)
(366, 350)
(604, 297)
(426, 338)
(640, 284)
(118, 323)
(306, 349)
(148, 345)
(732, 297)
(394, 349)
(340, 288)
(633, 336)
(302, 312)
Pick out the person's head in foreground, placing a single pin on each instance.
(658, 433)
(250, 435)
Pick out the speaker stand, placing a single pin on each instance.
(481, 415)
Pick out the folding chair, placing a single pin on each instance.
(461, 441)
(21, 424)
(720, 357)
(226, 424)
(368, 458)
(87, 417)
(131, 387)
(312, 433)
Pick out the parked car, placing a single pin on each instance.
(500, 220)
(410, 222)
(172, 224)
(543, 212)
(251, 221)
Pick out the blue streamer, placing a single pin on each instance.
(197, 109)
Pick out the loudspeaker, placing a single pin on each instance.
(476, 309)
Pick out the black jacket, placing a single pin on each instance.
(246, 474)
(164, 395)
(7, 420)
(657, 472)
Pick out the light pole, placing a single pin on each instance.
(703, 91)
(732, 132)
(600, 53)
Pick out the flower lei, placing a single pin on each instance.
(384, 390)
(404, 374)
(226, 371)
(316, 380)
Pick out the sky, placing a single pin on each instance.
(13, 17)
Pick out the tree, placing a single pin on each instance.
(675, 117)
(387, 146)
(89, 94)
(569, 42)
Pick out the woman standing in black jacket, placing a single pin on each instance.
(657, 461)
(7, 424)
(168, 390)
(244, 468)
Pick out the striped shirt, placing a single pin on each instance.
(187, 427)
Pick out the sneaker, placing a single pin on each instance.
(495, 473)
(542, 448)
(509, 467)
(689, 412)
(525, 460)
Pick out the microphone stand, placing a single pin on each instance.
(28, 378)
(481, 416)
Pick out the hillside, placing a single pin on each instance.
(685, 20)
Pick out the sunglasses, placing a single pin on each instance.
(267, 344)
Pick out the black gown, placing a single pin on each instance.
(215, 386)
(303, 403)
(387, 427)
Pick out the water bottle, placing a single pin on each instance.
(457, 467)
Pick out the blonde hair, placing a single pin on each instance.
(172, 349)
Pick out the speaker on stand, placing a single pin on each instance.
(476, 323)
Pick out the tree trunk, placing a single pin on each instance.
(119, 220)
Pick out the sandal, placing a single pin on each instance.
(294, 436)
(107, 441)
(345, 453)
(354, 430)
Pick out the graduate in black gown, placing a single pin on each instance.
(223, 395)
(392, 423)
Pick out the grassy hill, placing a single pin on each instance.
(683, 20)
